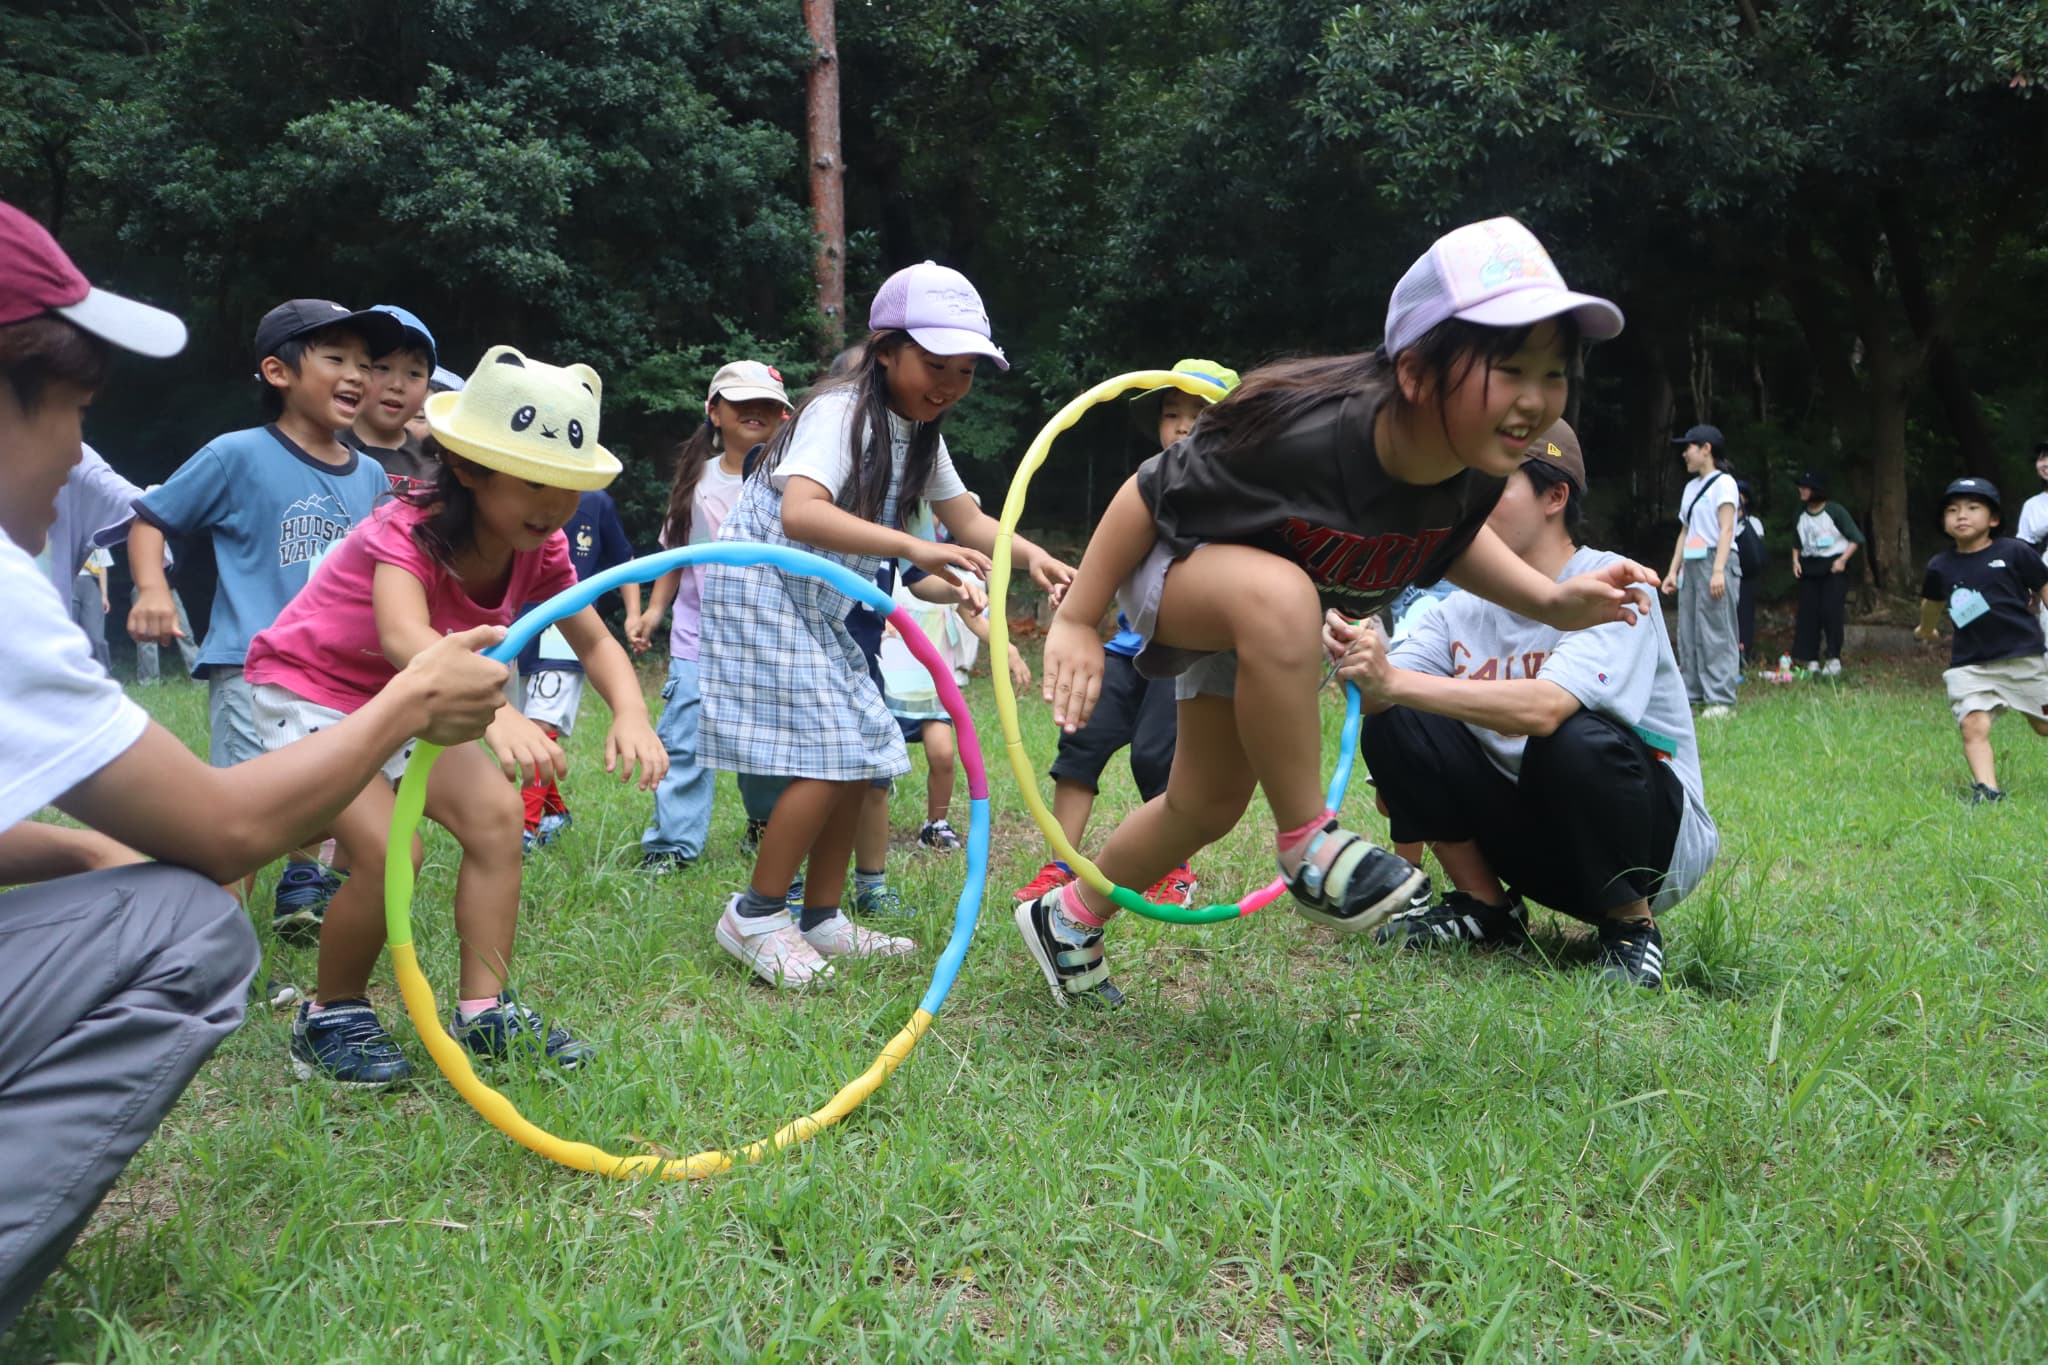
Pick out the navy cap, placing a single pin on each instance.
(381, 332)
(1981, 489)
(415, 333)
(1703, 435)
(1815, 480)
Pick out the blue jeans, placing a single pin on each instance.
(682, 803)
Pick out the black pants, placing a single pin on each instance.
(1132, 710)
(1590, 825)
(1745, 620)
(1823, 602)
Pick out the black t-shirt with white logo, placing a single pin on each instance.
(2006, 574)
(1315, 494)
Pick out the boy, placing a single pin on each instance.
(1988, 585)
(274, 499)
(1828, 539)
(1134, 712)
(398, 393)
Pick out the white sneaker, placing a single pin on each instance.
(1833, 669)
(779, 956)
(841, 937)
(1717, 712)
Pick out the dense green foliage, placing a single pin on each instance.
(1824, 218)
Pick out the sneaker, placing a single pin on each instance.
(346, 1044)
(1981, 795)
(1632, 953)
(1424, 897)
(1074, 970)
(1833, 669)
(939, 835)
(660, 862)
(1813, 665)
(882, 902)
(509, 1026)
(552, 825)
(780, 957)
(1051, 877)
(794, 897)
(1716, 712)
(1458, 918)
(841, 937)
(750, 842)
(303, 892)
(1175, 888)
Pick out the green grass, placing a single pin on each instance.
(1824, 1143)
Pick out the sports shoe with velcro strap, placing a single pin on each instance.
(1073, 965)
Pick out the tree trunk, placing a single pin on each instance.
(828, 189)
(1891, 531)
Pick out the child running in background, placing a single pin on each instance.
(1132, 711)
(786, 689)
(745, 407)
(1318, 485)
(515, 448)
(1988, 585)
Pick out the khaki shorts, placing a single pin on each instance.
(1194, 672)
(2016, 684)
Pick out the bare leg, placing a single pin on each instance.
(939, 758)
(1976, 728)
(793, 828)
(352, 931)
(871, 836)
(469, 797)
(1072, 804)
(825, 875)
(1469, 871)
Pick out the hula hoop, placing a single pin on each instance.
(453, 1060)
(1123, 897)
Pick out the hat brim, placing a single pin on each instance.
(1598, 319)
(747, 393)
(958, 341)
(584, 477)
(132, 326)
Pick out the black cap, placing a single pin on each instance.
(382, 332)
(1983, 490)
(1703, 435)
(1814, 480)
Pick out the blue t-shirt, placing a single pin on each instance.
(1126, 641)
(273, 512)
(597, 541)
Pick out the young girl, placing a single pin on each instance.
(1707, 575)
(1316, 484)
(745, 407)
(786, 688)
(516, 446)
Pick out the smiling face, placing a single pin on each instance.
(515, 512)
(748, 423)
(398, 387)
(38, 448)
(1493, 410)
(922, 386)
(1969, 522)
(331, 383)
(1177, 414)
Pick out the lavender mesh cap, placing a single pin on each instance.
(1493, 273)
(939, 308)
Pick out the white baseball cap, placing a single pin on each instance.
(939, 308)
(743, 380)
(1493, 273)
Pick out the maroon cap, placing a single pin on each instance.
(36, 277)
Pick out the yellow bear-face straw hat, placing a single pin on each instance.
(531, 420)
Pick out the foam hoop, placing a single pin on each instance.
(450, 1056)
(1123, 897)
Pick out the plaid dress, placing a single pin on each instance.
(786, 690)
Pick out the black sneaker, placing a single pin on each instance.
(1381, 884)
(1981, 795)
(303, 891)
(1458, 918)
(508, 1026)
(1632, 953)
(939, 835)
(1073, 970)
(1424, 895)
(661, 862)
(750, 842)
(345, 1044)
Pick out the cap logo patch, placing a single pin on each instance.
(961, 303)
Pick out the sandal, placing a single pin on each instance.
(1380, 883)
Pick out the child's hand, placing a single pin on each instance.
(1051, 575)
(523, 749)
(941, 560)
(1020, 672)
(1596, 598)
(1926, 635)
(973, 597)
(1671, 584)
(1365, 662)
(639, 632)
(1338, 633)
(633, 742)
(1073, 672)
(153, 620)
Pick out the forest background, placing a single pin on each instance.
(1826, 220)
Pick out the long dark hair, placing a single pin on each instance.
(1273, 397)
(869, 442)
(449, 527)
(702, 447)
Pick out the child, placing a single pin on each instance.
(786, 689)
(398, 392)
(1337, 480)
(1132, 712)
(1709, 654)
(514, 449)
(1749, 552)
(1989, 585)
(274, 499)
(550, 679)
(1828, 540)
(745, 407)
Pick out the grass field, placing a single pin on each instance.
(1824, 1142)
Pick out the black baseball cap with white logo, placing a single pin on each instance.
(1983, 490)
(301, 317)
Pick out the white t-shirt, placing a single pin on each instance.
(1819, 537)
(2033, 527)
(1618, 670)
(63, 718)
(1700, 513)
(821, 449)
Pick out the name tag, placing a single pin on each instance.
(1822, 544)
(1966, 605)
(555, 645)
(1696, 548)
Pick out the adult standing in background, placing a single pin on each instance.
(1706, 576)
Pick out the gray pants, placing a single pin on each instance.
(114, 987)
(1709, 654)
(91, 615)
